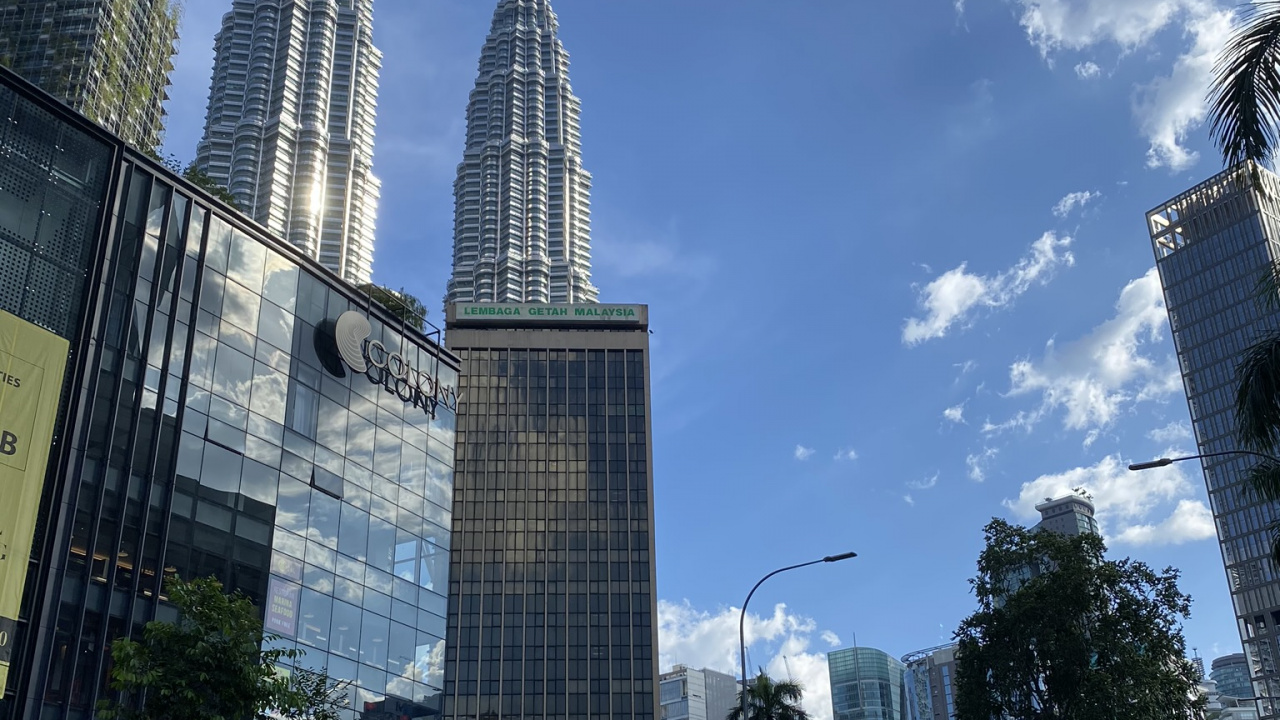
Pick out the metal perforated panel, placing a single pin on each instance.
(13, 275)
(43, 304)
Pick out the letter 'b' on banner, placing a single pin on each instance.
(32, 361)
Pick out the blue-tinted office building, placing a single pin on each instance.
(212, 424)
(867, 684)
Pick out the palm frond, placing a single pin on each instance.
(1274, 528)
(1264, 480)
(1244, 97)
(1267, 290)
(1258, 395)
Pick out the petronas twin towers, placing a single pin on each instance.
(290, 131)
(522, 210)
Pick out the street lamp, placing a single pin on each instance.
(1169, 461)
(742, 620)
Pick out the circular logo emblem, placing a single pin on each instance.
(350, 332)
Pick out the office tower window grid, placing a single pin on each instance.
(522, 210)
(1212, 244)
(551, 598)
(290, 125)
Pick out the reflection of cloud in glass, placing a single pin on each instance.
(270, 393)
(280, 284)
(287, 543)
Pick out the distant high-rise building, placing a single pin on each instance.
(930, 683)
(1212, 243)
(1068, 515)
(1231, 673)
(552, 611)
(107, 59)
(688, 694)
(867, 684)
(522, 210)
(290, 124)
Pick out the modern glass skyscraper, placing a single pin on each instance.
(108, 59)
(1212, 243)
(1231, 673)
(210, 424)
(290, 124)
(552, 608)
(522, 210)
(866, 684)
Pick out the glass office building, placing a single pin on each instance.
(552, 610)
(1212, 244)
(866, 684)
(213, 425)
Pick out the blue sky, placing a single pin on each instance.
(898, 272)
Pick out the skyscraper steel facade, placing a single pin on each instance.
(522, 210)
(552, 600)
(1212, 244)
(290, 124)
(108, 59)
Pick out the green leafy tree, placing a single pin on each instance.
(211, 665)
(1062, 633)
(769, 700)
(399, 303)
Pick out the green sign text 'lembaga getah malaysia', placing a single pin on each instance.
(32, 361)
(534, 312)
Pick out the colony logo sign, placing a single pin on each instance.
(415, 386)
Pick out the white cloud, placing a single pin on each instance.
(1190, 521)
(1096, 378)
(698, 638)
(1125, 501)
(803, 453)
(978, 463)
(1174, 433)
(955, 413)
(909, 500)
(849, 454)
(925, 483)
(1169, 107)
(1087, 70)
(952, 296)
(1074, 200)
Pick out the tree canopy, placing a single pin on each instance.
(211, 665)
(770, 700)
(1062, 633)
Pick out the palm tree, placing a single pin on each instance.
(1244, 100)
(769, 700)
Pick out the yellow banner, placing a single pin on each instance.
(32, 361)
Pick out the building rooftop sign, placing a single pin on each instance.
(547, 314)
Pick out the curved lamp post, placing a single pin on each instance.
(742, 621)
(1169, 461)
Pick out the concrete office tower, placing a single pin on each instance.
(688, 694)
(108, 59)
(552, 610)
(1211, 244)
(522, 209)
(289, 128)
(930, 680)
(866, 684)
(1068, 515)
(1231, 673)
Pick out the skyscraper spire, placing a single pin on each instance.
(522, 211)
